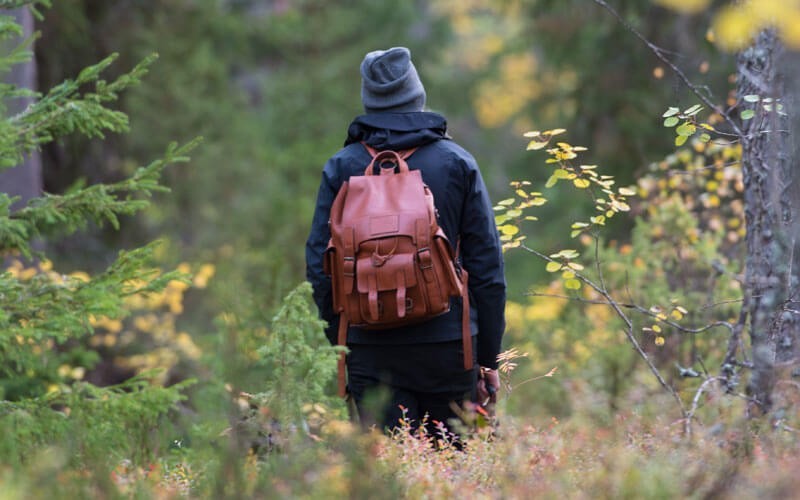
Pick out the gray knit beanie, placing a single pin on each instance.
(389, 82)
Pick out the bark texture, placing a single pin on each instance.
(771, 278)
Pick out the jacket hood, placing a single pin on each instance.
(397, 130)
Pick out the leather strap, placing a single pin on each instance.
(425, 260)
(372, 297)
(396, 157)
(466, 329)
(401, 294)
(349, 266)
(342, 341)
(404, 154)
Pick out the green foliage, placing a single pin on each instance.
(300, 361)
(66, 108)
(72, 211)
(45, 316)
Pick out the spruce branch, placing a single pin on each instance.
(66, 109)
(100, 203)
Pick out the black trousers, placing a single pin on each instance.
(390, 382)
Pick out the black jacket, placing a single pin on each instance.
(465, 213)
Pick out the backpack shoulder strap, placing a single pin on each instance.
(373, 152)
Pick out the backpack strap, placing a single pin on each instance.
(342, 341)
(399, 158)
(404, 154)
(466, 328)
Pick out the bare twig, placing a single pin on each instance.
(695, 402)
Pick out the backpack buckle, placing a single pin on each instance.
(425, 261)
(349, 267)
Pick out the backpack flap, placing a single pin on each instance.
(383, 287)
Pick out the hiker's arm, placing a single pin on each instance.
(315, 250)
(482, 257)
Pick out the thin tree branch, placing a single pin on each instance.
(659, 53)
(628, 328)
(695, 402)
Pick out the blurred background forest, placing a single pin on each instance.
(271, 85)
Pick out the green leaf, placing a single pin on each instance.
(747, 114)
(680, 140)
(565, 254)
(671, 121)
(751, 98)
(693, 110)
(686, 129)
(572, 284)
(670, 112)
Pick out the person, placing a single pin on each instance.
(422, 364)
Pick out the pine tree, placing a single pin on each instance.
(44, 315)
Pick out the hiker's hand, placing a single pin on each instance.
(488, 383)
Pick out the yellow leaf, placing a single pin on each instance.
(581, 183)
(534, 145)
(560, 173)
(656, 328)
(572, 284)
(509, 229)
(553, 267)
(659, 340)
(538, 201)
(627, 191)
(600, 220)
(568, 275)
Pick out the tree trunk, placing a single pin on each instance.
(771, 277)
(24, 180)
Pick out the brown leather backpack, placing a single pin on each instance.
(390, 263)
